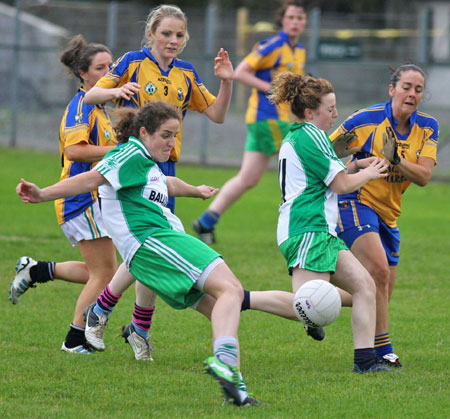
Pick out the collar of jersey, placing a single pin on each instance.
(298, 125)
(394, 123)
(138, 143)
(150, 55)
(285, 37)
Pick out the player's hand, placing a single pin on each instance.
(206, 192)
(222, 66)
(342, 142)
(28, 192)
(389, 149)
(378, 168)
(127, 90)
(363, 163)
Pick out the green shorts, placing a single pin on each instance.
(314, 251)
(170, 263)
(266, 136)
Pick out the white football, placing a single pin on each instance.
(317, 303)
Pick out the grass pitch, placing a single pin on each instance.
(292, 374)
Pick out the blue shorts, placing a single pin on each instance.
(168, 168)
(356, 219)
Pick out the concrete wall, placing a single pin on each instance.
(40, 73)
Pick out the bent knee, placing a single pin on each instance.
(380, 274)
(237, 289)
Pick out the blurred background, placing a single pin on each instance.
(353, 43)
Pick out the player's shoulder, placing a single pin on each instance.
(270, 44)
(183, 65)
(77, 106)
(131, 57)
(424, 120)
(372, 115)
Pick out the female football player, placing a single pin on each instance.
(179, 268)
(86, 135)
(267, 123)
(407, 139)
(156, 74)
(310, 177)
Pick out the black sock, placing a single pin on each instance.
(246, 301)
(365, 358)
(42, 272)
(75, 337)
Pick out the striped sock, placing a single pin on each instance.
(242, 388)
(383, 345)
(106, 302)
(225, 349)
(142, 319)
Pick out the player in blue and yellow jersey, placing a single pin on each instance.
(156, 74)
(368, 217)
(86, 135)
(267, 124)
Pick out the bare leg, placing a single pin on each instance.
(392, 277)
(223, 287)
(280, 303)
(254, 164)
(145, 297)
(72, 271)
(351, 276)
(121, 280)
(370, 252)
(100, 258)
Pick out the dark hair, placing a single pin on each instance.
(397, 73)
(301, 92)
(151, 116)
(77, 56)
(282, 10)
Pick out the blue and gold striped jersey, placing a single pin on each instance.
(180, 86)
(384, 195)
(81, 123)
(268, 58)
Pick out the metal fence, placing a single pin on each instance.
(353, 51)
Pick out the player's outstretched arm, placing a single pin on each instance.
(98, 95)
(223, 69)
(177, 187)
(85, 182)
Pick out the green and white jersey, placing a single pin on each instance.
(135, 197)
(307, 164)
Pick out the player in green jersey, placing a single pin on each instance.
(178, 267)
(311, 176)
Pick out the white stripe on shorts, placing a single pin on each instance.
(173, 258)
(303, 250)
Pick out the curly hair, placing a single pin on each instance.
(301, 92)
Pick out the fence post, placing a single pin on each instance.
(242, 50)
(15, 77)
(313, 43)
(424, 18)
(210, 35)
(111, 34)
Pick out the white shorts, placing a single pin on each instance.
(86, 226)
